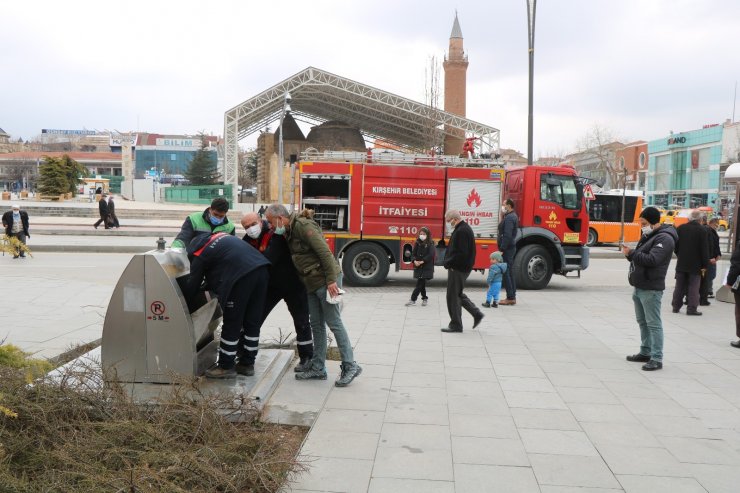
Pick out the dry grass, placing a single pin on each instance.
(76, 434)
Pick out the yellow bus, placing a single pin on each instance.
(605, 217)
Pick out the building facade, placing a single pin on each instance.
(632, 159)
(684, 168)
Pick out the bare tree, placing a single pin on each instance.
(247, 159)
(432, 135)
(598, 146)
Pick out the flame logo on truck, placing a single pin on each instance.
(474, 199)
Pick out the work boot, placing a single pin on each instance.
(220, 373)
(245, 369)
(349, 372)
(303, 365)
(311, 374)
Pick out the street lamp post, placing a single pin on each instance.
(281, 158)
(531, 9)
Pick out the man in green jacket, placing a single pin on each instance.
(320, 273)
(212, 220)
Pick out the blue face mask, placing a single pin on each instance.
(280, 230)
(216, 220)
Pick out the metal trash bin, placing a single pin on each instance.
(149, 334)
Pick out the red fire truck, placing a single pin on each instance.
(371, 212)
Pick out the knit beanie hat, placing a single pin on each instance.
(497, 256)
(651, 215)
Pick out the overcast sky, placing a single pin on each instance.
(639, 68)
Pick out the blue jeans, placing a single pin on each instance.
(322, 314)
(647, 311)
(493, 291)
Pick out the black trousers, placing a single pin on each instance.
(103, 219)
(421, 288)
(297, 300)
(686, 285)
(508, 280)
(737, 313)
(457, 300)
(242, 319)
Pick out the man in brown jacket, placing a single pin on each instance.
(320, 273)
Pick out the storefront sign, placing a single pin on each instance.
(677, 140)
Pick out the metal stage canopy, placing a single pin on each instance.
(318, 96)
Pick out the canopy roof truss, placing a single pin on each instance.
(318, 96)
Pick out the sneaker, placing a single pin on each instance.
(424, 302)
(652, 365)
(410, 303)
(220, 373)
(349, 372)
(486, 304)
(494, 304)
(245, 369)
(303, 365)
(638, 358)
(311, 374)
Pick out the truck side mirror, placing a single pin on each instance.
(579, 195)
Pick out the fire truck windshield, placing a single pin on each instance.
(559, 189)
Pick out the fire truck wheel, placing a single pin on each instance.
(533, 267)
(365, 264)
(593, 238)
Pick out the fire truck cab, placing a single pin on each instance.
(371, 212)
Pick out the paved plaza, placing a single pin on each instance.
(538, 398)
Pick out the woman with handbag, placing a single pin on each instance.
(423, 258)
(733, 281)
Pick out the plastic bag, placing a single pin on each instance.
(336, 299)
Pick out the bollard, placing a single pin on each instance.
(160, 244)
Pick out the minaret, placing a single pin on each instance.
(456, 66)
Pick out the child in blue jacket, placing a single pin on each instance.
(495, 276)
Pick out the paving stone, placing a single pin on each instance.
(393, 485)
(649, 461)
(424, 414)
(491, 451)
(340, 444)
(476, 478)
(659, 484)
(335, 475)
(545, 419)
(571, 470)
(413, 463)
(625, 434)
(557, 442)
(534, 400)
(701, 450)
(423, 437)
(481, 425)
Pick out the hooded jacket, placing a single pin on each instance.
(650, 258)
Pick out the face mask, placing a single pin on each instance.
(423, 237)
(646, 230)
(280, 230)
(254, 231)
(216, 220)
(503, 209)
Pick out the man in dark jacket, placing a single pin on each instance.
(459, 261)
(648, 267)
(103, 211)
(238, 274)
(715, 253)
(284, 282)
(693, 258)
(15, 223)
(507, 229)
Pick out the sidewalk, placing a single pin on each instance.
(538, 398)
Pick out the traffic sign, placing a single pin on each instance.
(588, 194)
